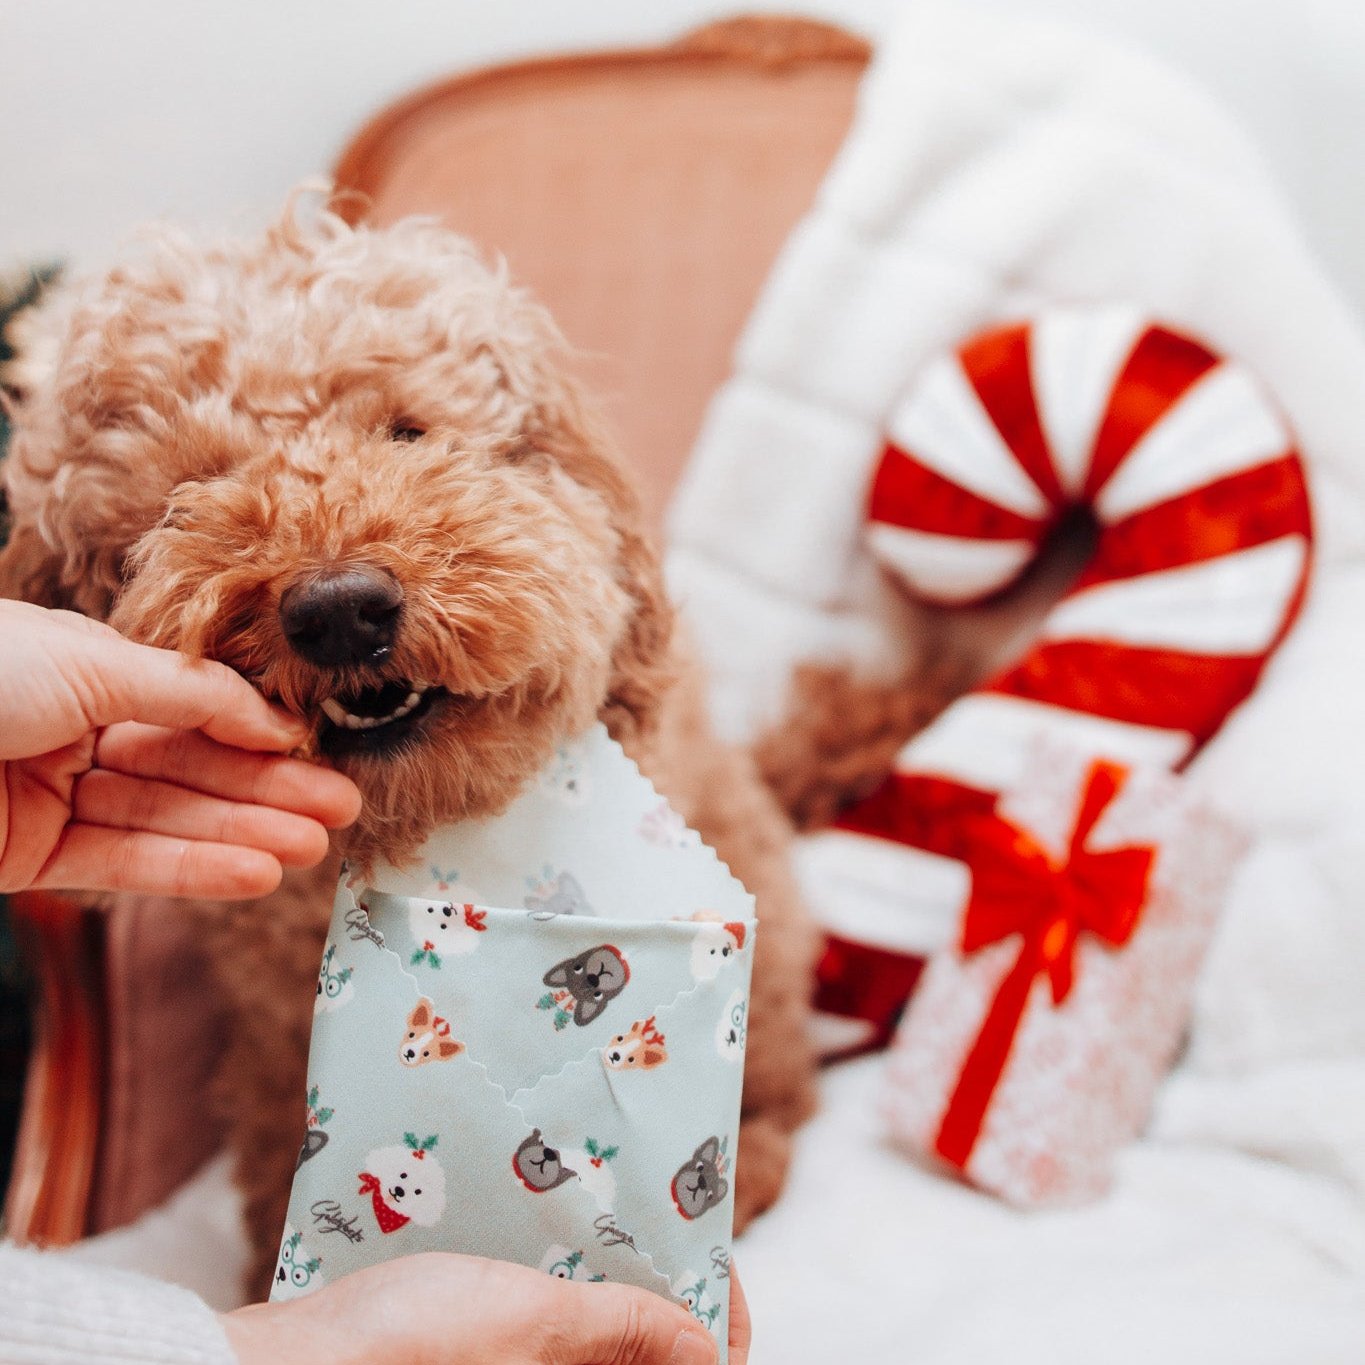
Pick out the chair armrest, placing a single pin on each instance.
(48, 1202)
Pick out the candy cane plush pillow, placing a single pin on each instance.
(1200, 566)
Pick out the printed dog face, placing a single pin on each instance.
(713, 946)
(297, 1272)
(641, 1048)
(426, 1037)
(407, 1185)
(452, 930)
(351, 464)
(699, 1184)
(593, 979)
(539, 1167)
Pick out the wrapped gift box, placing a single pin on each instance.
(1034, 1045)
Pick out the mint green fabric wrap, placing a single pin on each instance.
(530, 1044)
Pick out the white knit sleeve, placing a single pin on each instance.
(54, 1311)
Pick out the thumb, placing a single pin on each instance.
(612, 1324)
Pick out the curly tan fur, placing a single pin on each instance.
(208, 425)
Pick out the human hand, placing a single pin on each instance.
(437, 1309)
(129, 768)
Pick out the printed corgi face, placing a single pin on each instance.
(713, 946)
(593, 979)
(699, 1184)
(426, 1037)
(410, 1184)
(640, 1049)
(451, 929)
(539, 1167)
(296, 1272)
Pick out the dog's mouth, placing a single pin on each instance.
(376, 720)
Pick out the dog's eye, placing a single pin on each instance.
(406, 432)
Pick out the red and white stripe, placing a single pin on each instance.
(1202, 558)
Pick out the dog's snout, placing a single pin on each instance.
(342, 616)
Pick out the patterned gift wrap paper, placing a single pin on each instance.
(555, 1081)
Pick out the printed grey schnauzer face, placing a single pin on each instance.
(538, 1167)
(593, 979)
(699, 1185)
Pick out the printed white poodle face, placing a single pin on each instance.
(445, 929)
(335, 987)
(593, 1162)
(296, 1272)
(732, 1029)
(713, 946)
(405, 1183)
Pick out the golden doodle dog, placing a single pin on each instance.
(353, 465)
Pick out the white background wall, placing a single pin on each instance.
(114, 111)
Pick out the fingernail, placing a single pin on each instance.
(693, 1347)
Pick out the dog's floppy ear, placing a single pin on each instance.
(642, 671)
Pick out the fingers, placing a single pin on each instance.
(91, 858)
(190, 759)
(741, 1325)
(611, 1324)
(126, 681)
(115, 801)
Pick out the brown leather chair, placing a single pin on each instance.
(643, 195)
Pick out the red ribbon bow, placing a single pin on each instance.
(389, 1220)
(1017, 888)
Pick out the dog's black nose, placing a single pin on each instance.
(342, 616)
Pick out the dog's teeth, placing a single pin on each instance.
(339, 715)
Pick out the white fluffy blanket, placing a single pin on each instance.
(996, 166)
